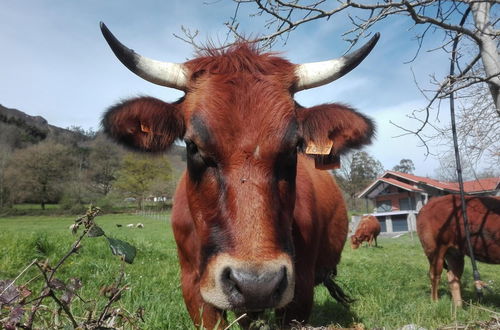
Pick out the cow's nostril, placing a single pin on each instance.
(229, 282)
(282, 284)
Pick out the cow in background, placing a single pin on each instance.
(257, 226)
(440, 228)
(367, 231)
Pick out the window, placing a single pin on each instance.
(383, 226)
(384, 206)
(399, 223)
(404, 204)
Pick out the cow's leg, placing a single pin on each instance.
(371, 241)
(375, 238)
(455, 261)
(436, 268)
(203, 315)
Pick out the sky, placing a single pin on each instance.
(55, 63)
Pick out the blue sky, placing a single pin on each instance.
(55, 63)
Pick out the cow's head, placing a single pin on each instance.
(242, 130)
(356, 242)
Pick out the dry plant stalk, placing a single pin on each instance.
(19, 308)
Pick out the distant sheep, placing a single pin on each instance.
(130, 225)
(139, 225)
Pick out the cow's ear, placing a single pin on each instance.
(144, 124)
(330, 130)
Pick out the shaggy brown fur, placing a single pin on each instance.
(440, 227)
(248, 199)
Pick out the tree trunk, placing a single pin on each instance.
(2, 192)
(44, 193)
(487, 48)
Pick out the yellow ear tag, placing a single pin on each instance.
(145, 128)
(314, 149)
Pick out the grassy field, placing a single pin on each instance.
(389, 283)
(27, 206)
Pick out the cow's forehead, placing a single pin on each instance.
(240, 99)
(240, 110)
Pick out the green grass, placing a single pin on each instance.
(389, 283)
(392, 289)
(27, 206)
(153, 277)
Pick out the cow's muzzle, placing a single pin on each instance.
(235, 284)
(251, 290)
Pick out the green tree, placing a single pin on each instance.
(358, 170)
(405, 166)
(5, 153)
(97, 161)
(140, 174)
(38, 173)
(104, 161)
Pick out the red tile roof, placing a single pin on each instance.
(478, 185)
(420, 179)
(391, 177)
(400, 184)
(481, 184)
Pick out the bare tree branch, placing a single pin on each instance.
(478, 61)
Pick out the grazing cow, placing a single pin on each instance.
(440, 228)
(367, 231)
(256, 225)
(139, 225)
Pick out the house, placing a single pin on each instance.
(400, 196)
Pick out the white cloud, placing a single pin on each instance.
(56, 63)
(393, 143)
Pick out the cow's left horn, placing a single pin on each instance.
(167, 74)
(320, 73)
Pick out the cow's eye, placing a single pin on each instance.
(191, 147)
(196, 157)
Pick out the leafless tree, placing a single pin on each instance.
(478, 131)
(473, 22)
(5, 153)
(38, 173)
(447, 170)
(478, 128)
(284, 16)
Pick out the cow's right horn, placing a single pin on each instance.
(316, 74)
(173, 75)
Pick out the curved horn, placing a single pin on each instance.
(167, 74)
(321, 73)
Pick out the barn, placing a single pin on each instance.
(398, 197)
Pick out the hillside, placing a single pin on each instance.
(18, 129)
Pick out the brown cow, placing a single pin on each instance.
(367, 231)
(441, 230)
(256, 225)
